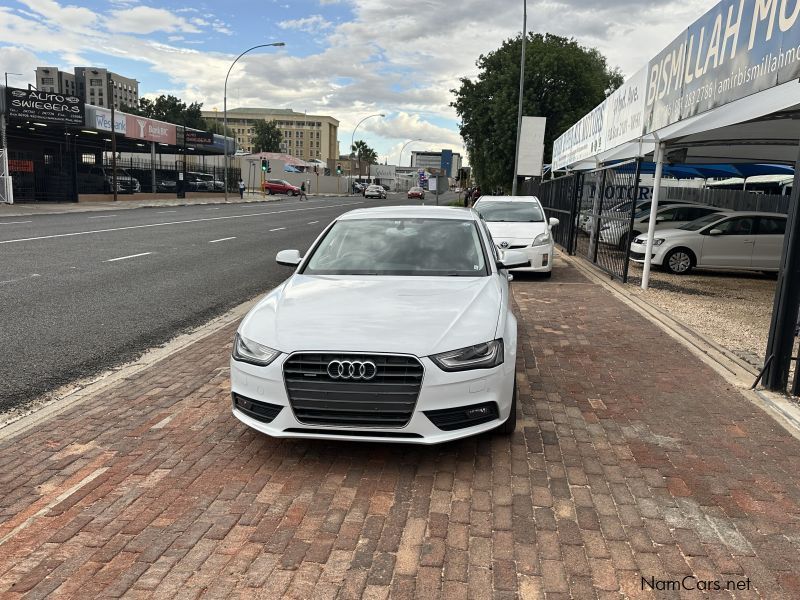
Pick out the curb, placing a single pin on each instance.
(54, 403)
(730, 367)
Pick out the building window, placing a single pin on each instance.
(48, 80)
(96, 82)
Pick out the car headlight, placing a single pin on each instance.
(248, 351)
(657, 241)
(480, 356)
(542, 239)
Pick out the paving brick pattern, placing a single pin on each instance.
(630, 460)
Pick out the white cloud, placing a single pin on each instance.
(144, 19)
(312, 24)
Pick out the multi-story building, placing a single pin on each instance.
(304, 136)
(95, 85)
(432, 161)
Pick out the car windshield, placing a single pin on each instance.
(512, 212)
(424, 247)
(701, 222)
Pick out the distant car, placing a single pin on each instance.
(280, 186)
(740, 240)
(166, 185)
(416, 192)
(385, 187)
(212, 185)
(375, 191)
(358, 187)
(585, 220)
(100, 180)
(197, 182)
(518, 223)
(616, 231)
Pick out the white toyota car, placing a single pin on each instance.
(518, 223)
(396, 326)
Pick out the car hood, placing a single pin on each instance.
(515, 231)
(411, 315)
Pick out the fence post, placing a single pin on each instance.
(577, 182)
(627, 262)
(597, 210)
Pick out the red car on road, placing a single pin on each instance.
(280, 186)
(416, 192)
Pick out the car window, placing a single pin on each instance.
(697, 212)
(771, 226)
(701, 222)
(494, 250)
(421, 247)
(510, 212)
(736, 226)
(671, 214)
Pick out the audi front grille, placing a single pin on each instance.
(324, 390)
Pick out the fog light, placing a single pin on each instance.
(545, 259)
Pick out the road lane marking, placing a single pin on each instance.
(313, 222)
(277, 228)
(127, 257)
(222, 240)
(20, 278)
(277, 212)
(103, 217)
(163, 212)
(217, 208)
(15, 222)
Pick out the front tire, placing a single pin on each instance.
(679, 261)
(510, 425)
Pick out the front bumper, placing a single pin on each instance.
(440, 390)
(639, 251)
(541, 258)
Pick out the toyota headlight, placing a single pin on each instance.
(480, 356)
(248, 351)
(543, 239)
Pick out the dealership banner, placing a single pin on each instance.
(581, 141)
(142, 128)
(100, 118)
(624, 114)
(44, 107)
(198, 138)
(736, 49)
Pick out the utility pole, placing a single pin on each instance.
(113, 137)
(521, 94)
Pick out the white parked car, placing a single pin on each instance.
(614, 230)
(518, 223)
(396, 326)
(742, 240)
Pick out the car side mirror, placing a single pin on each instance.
(510, 259)
(553, 222)
(288, 258)
(715, 232)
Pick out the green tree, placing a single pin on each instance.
(563, 82)
(364, 154)
(267, 137)
(170, 109)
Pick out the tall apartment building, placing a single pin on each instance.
(432, 161)
(304, 136)
(94, 85)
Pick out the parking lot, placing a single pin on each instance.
(624, 466)
(732, 308)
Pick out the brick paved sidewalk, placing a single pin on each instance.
(631, 460)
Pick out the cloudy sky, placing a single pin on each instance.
(344, 58)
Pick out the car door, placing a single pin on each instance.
(769, 242)
(732, 246)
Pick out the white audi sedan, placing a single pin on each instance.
(518, 223)
(395, 326)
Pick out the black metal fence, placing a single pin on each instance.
(559, 199)
(730, 199)
(135, 175)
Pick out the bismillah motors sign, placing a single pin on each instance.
(44, 107)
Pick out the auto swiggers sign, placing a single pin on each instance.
(44, 107)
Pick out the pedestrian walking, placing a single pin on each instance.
(241, 188)
(303, 192)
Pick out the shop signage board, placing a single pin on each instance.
(44, 107)
(100, 118)
(142, 128)
(199, 138)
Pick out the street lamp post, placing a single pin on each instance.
(521, 92)
(7, 193)
(400, 159)
(352, 152)
(225, 107)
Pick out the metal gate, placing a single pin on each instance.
(595, 211)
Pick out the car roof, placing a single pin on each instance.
(508, 199)
(751, 213)
(412, 212)
(692, 205)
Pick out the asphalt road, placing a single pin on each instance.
(83, 292)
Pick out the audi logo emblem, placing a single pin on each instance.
(352, 369)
